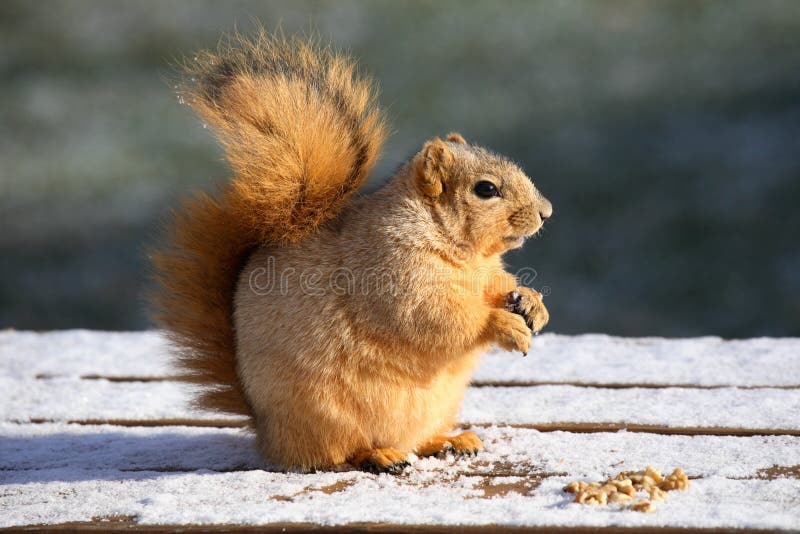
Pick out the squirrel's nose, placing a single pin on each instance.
(545, 209)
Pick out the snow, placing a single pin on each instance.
(67, 450)
(592, 358)
(595, 358)
(57, 472)
(243, 498)
(80, 352)
(96, 399)
(676, 407)
(117, 472)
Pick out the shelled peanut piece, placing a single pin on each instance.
(625, 486)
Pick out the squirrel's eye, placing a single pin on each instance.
(486, 189)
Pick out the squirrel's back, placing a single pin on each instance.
(301, 132)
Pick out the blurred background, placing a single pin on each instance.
(666, 134)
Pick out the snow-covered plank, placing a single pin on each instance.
(64, 399)
(726, 407)
(336, 499)
(56, 473)
(601, 359)
(585, 359)
(76, 451)
(79, 352)
(67, 473)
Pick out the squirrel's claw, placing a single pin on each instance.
(465, 444)
(378, 461)
(376, 468)
(528, 303)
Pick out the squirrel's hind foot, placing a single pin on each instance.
(464, 444)
(377, 461)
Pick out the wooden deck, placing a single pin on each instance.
(96, 434)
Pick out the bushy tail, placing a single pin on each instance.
(301, 133)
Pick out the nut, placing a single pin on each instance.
(623, 488)
(598, 497)
(643, 506)
(621, 483)
(608, 489)
(656, 494)
(619, 497)
(654, 473)
(676, 481)
(575, 487)
(591, 495)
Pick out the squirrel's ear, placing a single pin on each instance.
(455, 137)
(431, 169)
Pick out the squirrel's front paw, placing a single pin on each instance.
(510, 331)
(528, 304)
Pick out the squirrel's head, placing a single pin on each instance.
(480, 199)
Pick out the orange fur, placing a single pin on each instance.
(347, 328)
(456, 138)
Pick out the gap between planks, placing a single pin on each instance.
(589, 428)
(475, 384)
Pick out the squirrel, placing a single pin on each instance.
(345, 326)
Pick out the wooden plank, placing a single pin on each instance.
(672, 407)
(83, 472)
(583, 428)
(128, 523)
(772, 473)
(71, 353)
(428, 494)
(576, 408)
(594, 358)
(553, 359)
(509, 451)
(755, 411)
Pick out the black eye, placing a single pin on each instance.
(486, 189)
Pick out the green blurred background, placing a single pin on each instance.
(667, 135)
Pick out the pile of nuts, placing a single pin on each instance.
(624, 488)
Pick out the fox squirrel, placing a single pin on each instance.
(345, 327)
